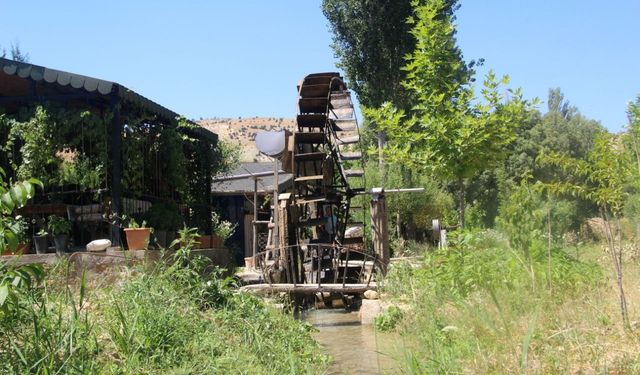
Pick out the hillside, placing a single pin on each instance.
(243, 131)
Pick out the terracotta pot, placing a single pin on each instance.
(137, 238)
(23, 248)
(216, 241)
(205, 241)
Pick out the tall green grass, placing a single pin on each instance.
(480, 306)
(180, 318)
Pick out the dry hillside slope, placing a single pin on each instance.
(243, 131)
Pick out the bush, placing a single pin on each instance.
(479, 295)
(179, 318)
(388, 320)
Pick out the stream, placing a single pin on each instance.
(354, 348)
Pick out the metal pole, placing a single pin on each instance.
(255, 219)
(276, 223)
(403, 190)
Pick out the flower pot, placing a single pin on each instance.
(216, 241)
(137, 238)
(23, 248)
(164, 238)
(42, 244)
(161, 238)
(62, 243)
(205, 241)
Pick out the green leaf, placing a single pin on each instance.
(4, 293)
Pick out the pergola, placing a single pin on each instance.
(132, 130)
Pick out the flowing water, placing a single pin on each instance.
(355, 348)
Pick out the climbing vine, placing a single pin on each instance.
(57, 145)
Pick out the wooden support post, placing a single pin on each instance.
(254, 226)
(116, 167)
(379, 226)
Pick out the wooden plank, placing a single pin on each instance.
(310, 156)
(345, 124)
(343, 113)
(313, 105)
(314, 91)
(312, 222)
(320, 78)
(312, 121)
(309, 178)
(349, 140)
(354, 173)
(353, 240)
(315, 137)
(351, 155)
(311, 199)
(308, 288)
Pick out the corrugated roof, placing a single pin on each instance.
(245, 185)
(89, 84)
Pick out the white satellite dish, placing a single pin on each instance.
(271, 143)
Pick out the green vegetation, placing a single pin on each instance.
(543, 277)
(182, 317)
(482, 306)
(58, 225)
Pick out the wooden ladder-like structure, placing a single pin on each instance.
(325, 142)
(321, 233)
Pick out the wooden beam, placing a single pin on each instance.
(116, 167)
(379, 227)
(308, 288)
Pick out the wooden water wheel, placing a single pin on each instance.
(328, 172)
(320, 231)
(326, 139)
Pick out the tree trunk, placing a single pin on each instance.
(461, 203)
(381, 142)
(549, 246)
(616, 259)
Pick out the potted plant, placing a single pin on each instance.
(60, 229)
(137, 235)
(41, 240)
(165, 219)
(221, 230)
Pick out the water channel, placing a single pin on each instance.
(355, 348)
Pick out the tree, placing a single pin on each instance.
(13, 279)
(371, 39)
(633, 128)
(600, 178)
(451, 132)
(16, 53)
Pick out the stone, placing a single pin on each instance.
(369, 310)
(371, 294)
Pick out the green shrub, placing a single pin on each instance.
(388, 320)
(470, 300)
(182, 318)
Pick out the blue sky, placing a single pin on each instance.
(244, 58)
